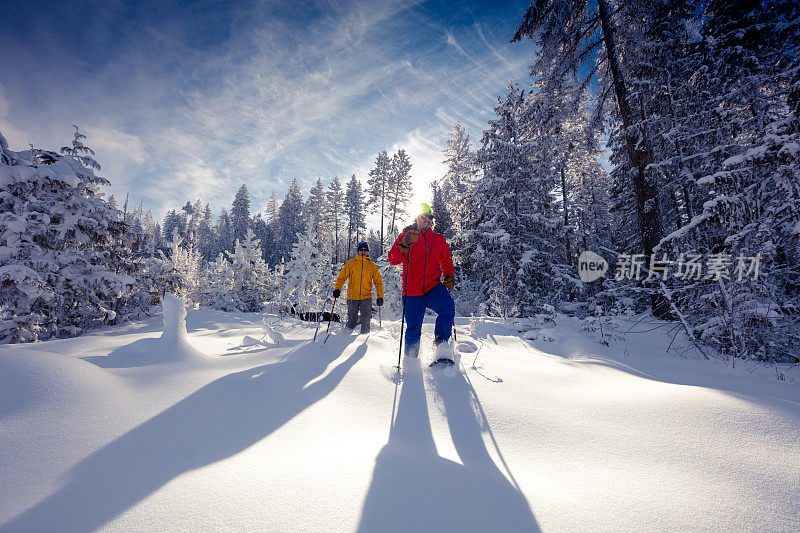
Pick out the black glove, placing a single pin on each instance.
(380, 301)
(449, 282)
(336, 293)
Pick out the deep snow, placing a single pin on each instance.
(125, 429)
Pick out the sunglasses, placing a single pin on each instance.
(428, 217)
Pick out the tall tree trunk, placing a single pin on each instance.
(566, 214)
(394, 207)
(349, 235)
(383, 201)
(640, 156)
(336, 234)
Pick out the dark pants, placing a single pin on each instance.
(353, 308)
(439, 300)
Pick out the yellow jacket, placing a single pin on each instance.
(360, 273)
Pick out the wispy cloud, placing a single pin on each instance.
(182, 105)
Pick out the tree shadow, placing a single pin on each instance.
(221, 419)
(414, 489)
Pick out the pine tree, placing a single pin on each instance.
(250, 274)
(217, 288)
(224, 231)
(316, 209)
(745, 59)
(570, 36)
(378, 189)
(172, 222)
(82, 153)
(182, 262)
(240, 213)
(309, 274)
(336, 207)
(399, 190)
(517, 227)
(158, 239)
(272, 207)
(206, 236)
(356, 217)
(67, 259)
(444, 222)
(457, 183)
(290, 221)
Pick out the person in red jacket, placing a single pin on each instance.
(425, 257)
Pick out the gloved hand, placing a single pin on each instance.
(380, 301)
(449, 282)
(336, 293)
(410, 237)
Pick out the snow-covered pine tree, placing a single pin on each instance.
(224, 232)
(80, 151)
(173, 222)
(190, 221)
(373, 241)
(309, 274)
(149, 225)
(217, 288)
(355, 206)
(457, 183)
(577, 40)
(158, 238)
(398, 192)
(747, 60)
(272, 207)
(517, 228)
(290, 222)
(265, 234)
(240, 214)
(206, 235)
(182, 266)
(316, 209)
(335, 212)
(377, 188)
(444, 221)
(565, 142)
(58, 275)
(250, 274)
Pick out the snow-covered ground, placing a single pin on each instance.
(123, 430)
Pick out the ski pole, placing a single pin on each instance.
(328, 336)
(380, 322)
(403, 316)
(331, 317)
(319, 319)
(455, 337)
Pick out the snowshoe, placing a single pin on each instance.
(445, 356)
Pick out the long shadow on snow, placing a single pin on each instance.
(414, 489)
(219, 420)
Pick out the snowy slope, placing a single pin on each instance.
(117, 431)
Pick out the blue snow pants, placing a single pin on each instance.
(439, 300)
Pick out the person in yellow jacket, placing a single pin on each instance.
(360, 273)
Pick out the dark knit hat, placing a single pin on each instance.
(363, 246)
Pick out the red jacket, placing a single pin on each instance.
(427, 259)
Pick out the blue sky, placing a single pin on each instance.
(188, 100)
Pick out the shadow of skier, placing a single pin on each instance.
(414, 489)
(221, 419)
